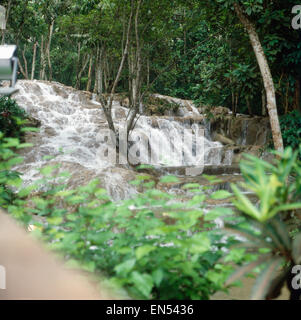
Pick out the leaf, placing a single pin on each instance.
(89, 266)
(191, 186)
(296, 249)
(245, 205)
(241, 271)
(199, 243)
(265, 280)
(169, 179)
(282, 231)
(221, 194)
(143, 282)
(125, 267)
(46, 171)
(55, 220)
(217, 213)
(233, 230)
(24, 145)
(285, 207)
(158, 275)
(143, 251)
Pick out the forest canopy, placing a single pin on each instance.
(196, 50)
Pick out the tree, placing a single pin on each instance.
(266, 76)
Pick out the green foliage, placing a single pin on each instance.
(8, 177)
(159, 106)
(265, 229)
(155, 246)
(11, 116)
(291, 129)
(190, 49)
(151, 246)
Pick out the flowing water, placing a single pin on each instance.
(71, 123)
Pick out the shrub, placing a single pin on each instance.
(11, 116)
(154, 248)
(291, 129)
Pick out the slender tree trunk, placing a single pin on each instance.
(249, 106)
(148, 73)
(96, 69)
(88, 87)
(266, 76)
(297, 95)
(106, 72)
(107, 104)
(263, 103)
(25, 63)
(78, 64)
(22, 69)
(100, 72)
(80, 72)
(43, 60)
(286, 97)
(33, 67)
(6, 19)
(50, 33)
(136, 81)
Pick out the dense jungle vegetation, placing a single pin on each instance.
(189, 49)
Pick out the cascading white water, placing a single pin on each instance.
(71, 122)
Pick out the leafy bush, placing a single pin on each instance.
(11, 116)
(152, 247)
(291, 129)
(8, 178)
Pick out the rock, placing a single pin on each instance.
(220, 110)
(119, 113)
(125, 102)
(33, 122)
(242, 130)
(180, 112)
(222, 139)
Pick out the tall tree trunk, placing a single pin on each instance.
(107, 104)
(148, 72)
(263, 103)
(100, 72)
(96, 69)
(22, 69)
(50, 33)
(78, 64)
(249, 106)
(33, 67)
(42, 60)
(6, 19)
(266, 76)
(297, 95)
(25, 63)
(136, 80)
(83, 68)
(88, 87)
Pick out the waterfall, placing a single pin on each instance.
(70, 124)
